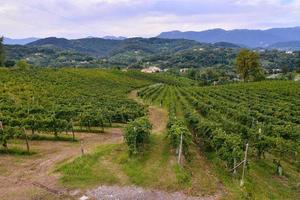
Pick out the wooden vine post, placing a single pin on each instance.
(26, 139)
(244, 165)
(73, 134)
(81, 147)
(180, 149)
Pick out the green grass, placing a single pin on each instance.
(16, 151)
(155, 168)
(51, 137)
(261, 181)
(86, 170)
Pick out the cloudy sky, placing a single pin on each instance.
(82, 18)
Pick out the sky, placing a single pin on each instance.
(144, 18)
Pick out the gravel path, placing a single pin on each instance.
(137, 193)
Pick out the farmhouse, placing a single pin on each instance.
(151, 70)
(184, 70)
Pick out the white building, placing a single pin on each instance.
(151, 70)
(184, 70)
(289, 52)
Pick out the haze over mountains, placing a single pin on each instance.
(280, 38)
(249, 38)
(23, 41)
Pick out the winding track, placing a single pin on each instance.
(158, 117)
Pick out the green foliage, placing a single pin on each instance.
(209, 76)
(228, 146)
(2, 53)
(298, 63)
(22, 64)
(9, 63)
(176, 128)
(223, 119)
(7, 133)
(57, 100)
(137, 53)
(137, 134)
(248, 65)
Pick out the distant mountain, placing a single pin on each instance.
(114, 37)
(10, 41)
(250, 38)
(90, 46)
(286, 46)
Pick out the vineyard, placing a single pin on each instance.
(223, 119)
(199, 144)
(53, 101)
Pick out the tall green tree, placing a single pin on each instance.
(248, 65)
(2, 55)
(298, 63)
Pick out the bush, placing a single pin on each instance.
(22, 64)
(9, 63)
(137, 134)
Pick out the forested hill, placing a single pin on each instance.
(133, 52)
(139, 53)
(107, 47)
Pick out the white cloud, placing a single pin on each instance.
(80, 18)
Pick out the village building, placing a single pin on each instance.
(151, 70)
(184, 70)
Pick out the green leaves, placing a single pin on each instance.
(7, 133)
(137, 134)
(2, 53)
(176, 128)
(248, 65)
(227, 146)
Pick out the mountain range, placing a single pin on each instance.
(245, 37)
(23, 41)
(275, 38)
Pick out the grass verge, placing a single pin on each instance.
(155, 168)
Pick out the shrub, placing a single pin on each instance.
(137, 134)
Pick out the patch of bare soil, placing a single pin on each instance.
(158, 118)
(31, 177)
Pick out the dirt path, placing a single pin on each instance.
(157, 116)
(31, 177)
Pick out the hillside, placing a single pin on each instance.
(250, 38)
(138, 53)
(286, 46)
(107, 47)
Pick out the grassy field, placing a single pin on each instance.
(157, 168)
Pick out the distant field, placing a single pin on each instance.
(224, 118)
